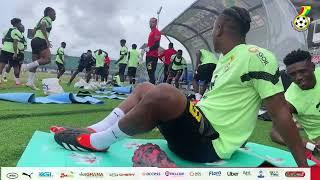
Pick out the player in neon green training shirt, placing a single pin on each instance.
(205, 65)
(133, 62)
(303, 97)
(220, 123)
(10, 50)
(123, 60)
(178, 64)
(60, 60)
(99, 69)
(40, 45)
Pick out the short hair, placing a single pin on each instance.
(153, 18)
(63, 43)
(89, 51)
(15, 21)
(47, 10)
(123, 41)
(297, 56)
(240, 17)
(179, 51)
(134, 46)
(171, 44)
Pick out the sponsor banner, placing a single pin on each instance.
(9, 173)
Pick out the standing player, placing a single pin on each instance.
(86, 62)
(100, 56)
(134, 56)
(60, 60)
(167, 59)
(10, 49)
(123, 60)
(22, 46)
(40, 45)
(205, 65)
(152, 50)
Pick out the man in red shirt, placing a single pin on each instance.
(152, 50)
(106, 66)
(166, 54)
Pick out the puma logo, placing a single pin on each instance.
(25, 174)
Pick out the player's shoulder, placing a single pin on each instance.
(259, 55)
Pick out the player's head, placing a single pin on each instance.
(89, 52)
(232, 25)
(21, 28)
(170, 45)
(300, 68)
(123, 42)
(49, 11)
(134, 46)
(153, 22)
(179, 53)
(99, 51)
(16, 22)
(63, 44)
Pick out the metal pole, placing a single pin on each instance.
(158, 12)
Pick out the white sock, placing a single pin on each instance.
(104, 139)
(31, 65)
(110, 120)
(31, 78)
(17, 80)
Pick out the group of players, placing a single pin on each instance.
(223, 119)
(97, 62)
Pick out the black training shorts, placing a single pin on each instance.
(132, 71)
(38, 45)
(205, 72)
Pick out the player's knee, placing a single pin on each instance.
(143, 88)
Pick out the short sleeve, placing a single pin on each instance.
(263, 72)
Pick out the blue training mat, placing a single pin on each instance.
(63, 98)
(43, 151)
(123, 90)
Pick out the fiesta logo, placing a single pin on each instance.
(168, 173)
(12, 175)
(214, 173)
(194, 173)
(232, 173)
(295, 174)
(151, 174)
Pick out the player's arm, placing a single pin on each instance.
(198, 57)
(279, 111)
(43, 28)
(15, 47)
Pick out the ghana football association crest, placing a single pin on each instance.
(301, 22)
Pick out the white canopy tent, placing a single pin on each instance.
(271, 25)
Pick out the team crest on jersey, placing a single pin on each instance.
(227, 67)
(253, 50)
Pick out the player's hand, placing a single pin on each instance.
(49, 44)
(147, 49)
